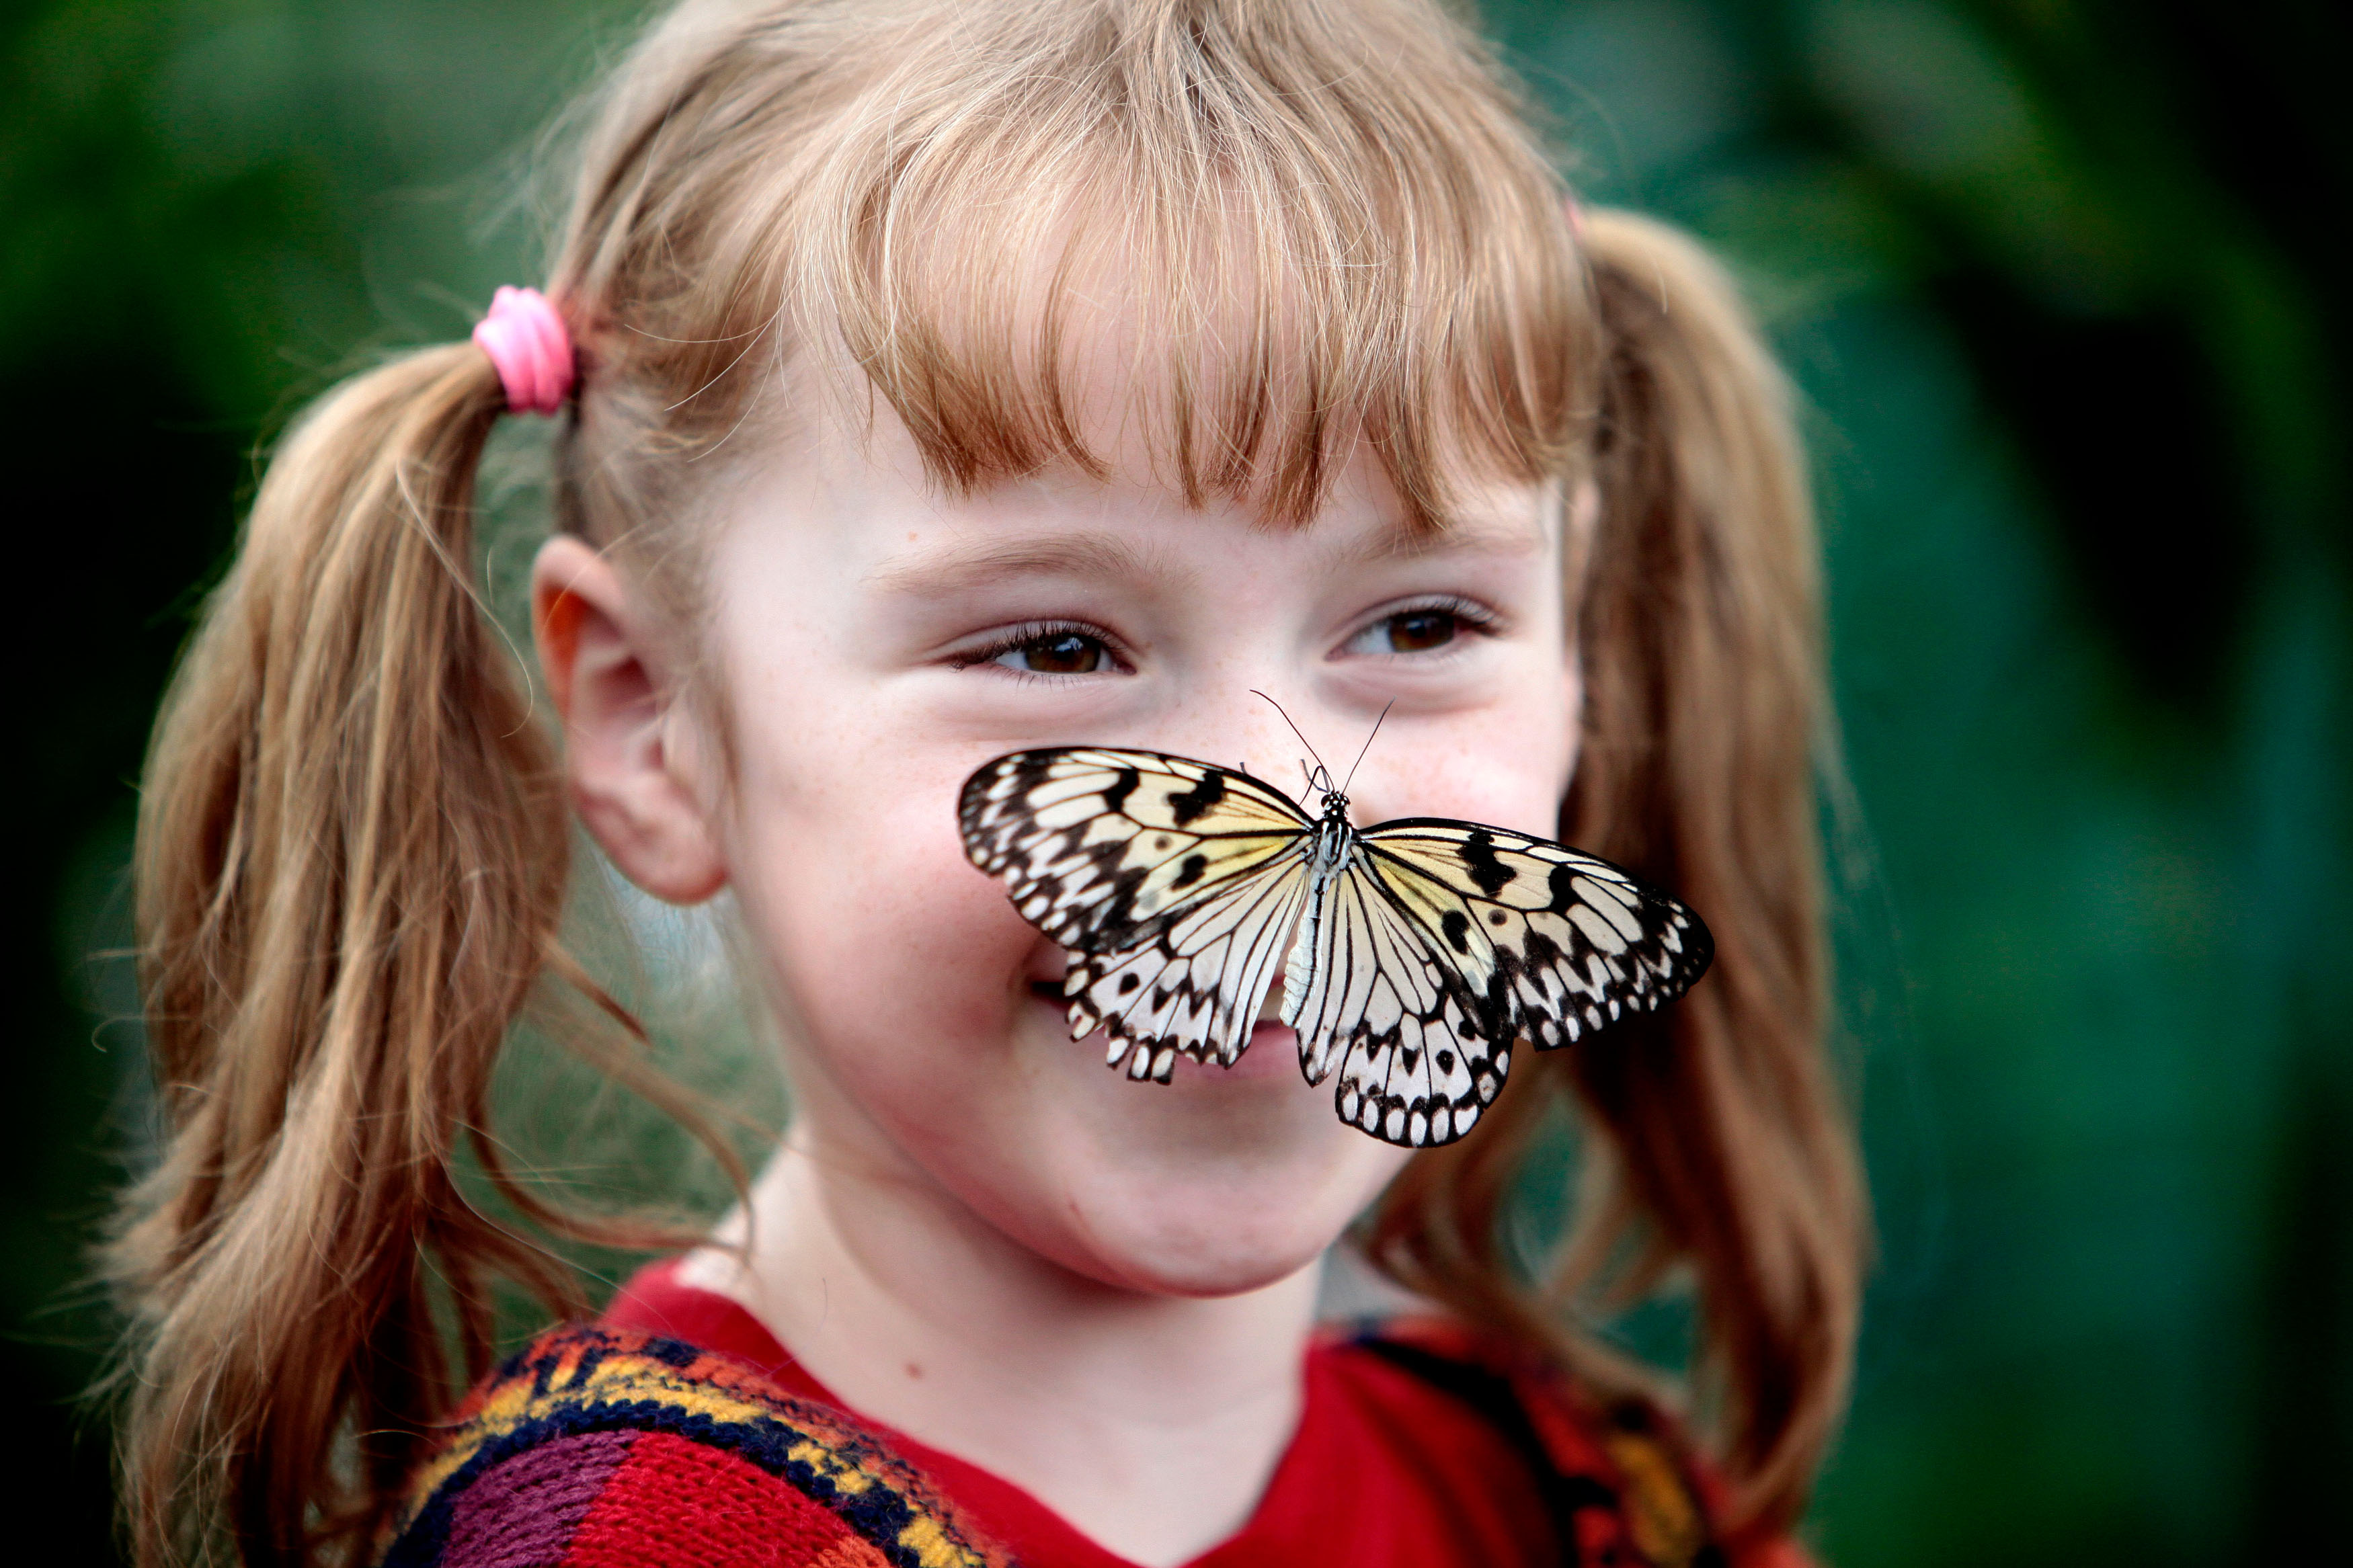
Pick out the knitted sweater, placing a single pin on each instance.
(596, 1448)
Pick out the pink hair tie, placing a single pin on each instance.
(1576, 219)
(526, 340)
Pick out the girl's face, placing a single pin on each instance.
(876, 643)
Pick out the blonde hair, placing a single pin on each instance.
(352, 850)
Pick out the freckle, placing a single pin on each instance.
(914, 1371)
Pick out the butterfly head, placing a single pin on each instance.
(1335, 806)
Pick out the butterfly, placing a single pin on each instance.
(1414, 955)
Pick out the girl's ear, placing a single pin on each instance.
(627, 763)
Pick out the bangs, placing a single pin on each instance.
(1286, 235)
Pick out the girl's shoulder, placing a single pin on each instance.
(1618, 1478)
(599, 1447)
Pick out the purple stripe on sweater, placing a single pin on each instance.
(520, 1513)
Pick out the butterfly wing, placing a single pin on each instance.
(1550, 943)
(1367, 989)
(1195, 988)
(1173, 883)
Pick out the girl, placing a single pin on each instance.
(936, 379)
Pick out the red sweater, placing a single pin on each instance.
(680, 1433)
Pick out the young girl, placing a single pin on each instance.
(938, 379)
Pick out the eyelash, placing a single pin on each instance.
(1038, 631)
(1474, 618)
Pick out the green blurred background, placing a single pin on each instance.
(2063, 283)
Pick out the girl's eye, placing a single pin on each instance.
(1417, 630)
(1056, 653)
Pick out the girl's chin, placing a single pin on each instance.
(1223, 1180)
(1273, 1052)
(1218, 1254)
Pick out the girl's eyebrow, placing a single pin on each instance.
(1101, 557)
(1464, 536)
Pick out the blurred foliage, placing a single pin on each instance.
(2062, 283)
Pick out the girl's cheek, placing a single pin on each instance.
(877, 923)
(1513, 772)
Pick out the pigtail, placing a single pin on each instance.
(351, 871)
(1725, 1146)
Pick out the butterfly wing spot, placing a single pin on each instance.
(1456, 925)
(1489, 873)
(1191, 805)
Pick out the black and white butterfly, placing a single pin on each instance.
(1425, 949)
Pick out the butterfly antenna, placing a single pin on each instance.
(1369, 746)
(1294, 729)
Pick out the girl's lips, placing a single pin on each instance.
(1273, 1052)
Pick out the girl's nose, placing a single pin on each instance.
(1235, 730)
(1282, 741)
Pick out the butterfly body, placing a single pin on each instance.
(1413, 955)
(1329, 853)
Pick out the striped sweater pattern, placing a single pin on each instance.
(598, 1448)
